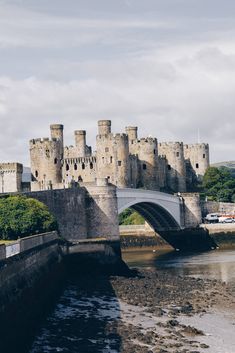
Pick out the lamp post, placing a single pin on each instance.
(2, 177)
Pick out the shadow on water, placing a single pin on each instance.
(86, 315)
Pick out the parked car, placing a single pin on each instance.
(211, 218)
(228, 220)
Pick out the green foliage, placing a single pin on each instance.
(219, 184)
(21, 216)
(130, 217)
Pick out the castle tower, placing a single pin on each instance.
(198, 156)
(148, 163)
(46, 160)
(131, 132)
(104, 127)
(57, 134)
(112, 155)
(80, 142)
(175, 171)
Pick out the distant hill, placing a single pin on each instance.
(228, 164)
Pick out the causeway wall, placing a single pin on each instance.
(29, 279)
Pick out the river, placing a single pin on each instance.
(78, 323)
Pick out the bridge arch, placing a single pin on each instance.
(162, 211)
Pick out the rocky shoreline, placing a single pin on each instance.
(167, 298)
(137, 311)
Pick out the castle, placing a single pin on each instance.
(124, 159)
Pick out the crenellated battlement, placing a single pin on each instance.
(41, 141)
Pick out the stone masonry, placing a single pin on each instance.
(124, 159)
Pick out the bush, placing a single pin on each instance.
(21, 216)
(130, 217)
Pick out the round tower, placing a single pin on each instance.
(80, 142)
(131, 131)
(198, 156)
(57, 133)
(122, 162)
(148, 163)
(113, 158)
(46, 160)
(104, 127)
(175, 173)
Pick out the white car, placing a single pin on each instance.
(212, 218)
(228, 220)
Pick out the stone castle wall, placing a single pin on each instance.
(10, 177)
(124, 159)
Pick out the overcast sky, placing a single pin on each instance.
(167, 66)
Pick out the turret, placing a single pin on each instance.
(80, 142)
(104, 127)
(57, 133)
(131, 131)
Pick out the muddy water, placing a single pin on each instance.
(218, 264)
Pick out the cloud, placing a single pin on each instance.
(167, 71)
(168, 99)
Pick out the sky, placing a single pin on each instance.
(166, 66)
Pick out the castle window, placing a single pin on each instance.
(79, 178)
(111, 159)
(36, 173)
(47, 153)
(119, 163)
(91, 165)
(83, 166)
(106, 149)
(154, 151)
(55, 161)
(67, 167)
(169, 167)
(177, 154)
(144, 166)
(75, 166)
(204, 156)
(197, 165)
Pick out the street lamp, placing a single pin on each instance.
(2, 176)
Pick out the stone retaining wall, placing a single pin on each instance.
(28, 281)
(217, 207)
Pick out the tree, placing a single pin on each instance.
(21, 216)
(219, 184)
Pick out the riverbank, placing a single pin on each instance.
(223, 234)
(144, 236)
(142, 311)
(160, 300)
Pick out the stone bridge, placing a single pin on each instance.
(91, 211)
(162, 211)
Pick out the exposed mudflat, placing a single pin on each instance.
(147, 311)
(166, 301)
